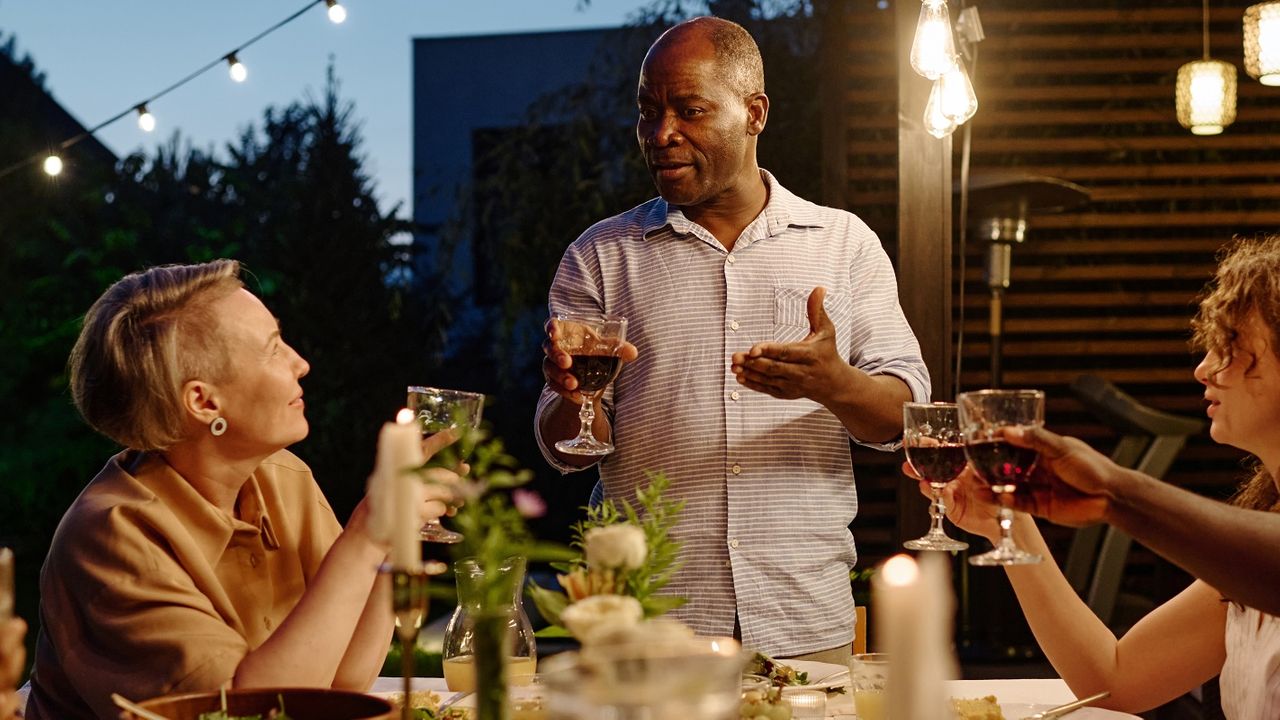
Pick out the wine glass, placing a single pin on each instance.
(935, 449)
(984, 417)
(438, 409)
(594, 342)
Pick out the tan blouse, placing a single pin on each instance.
(149, 589)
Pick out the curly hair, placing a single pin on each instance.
(147, 335)
(1247, 281)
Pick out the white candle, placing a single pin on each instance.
(395, 491)
(913, 603)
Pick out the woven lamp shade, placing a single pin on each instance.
(1262, 42)
(1206, 96)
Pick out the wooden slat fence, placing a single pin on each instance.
(1083, 93)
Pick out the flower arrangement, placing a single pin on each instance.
(495, 538)
(626, 557)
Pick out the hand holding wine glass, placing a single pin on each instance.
(935, 449)
(985, 417)
(595, 347)
(438, 409)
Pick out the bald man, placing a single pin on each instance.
(765, 333)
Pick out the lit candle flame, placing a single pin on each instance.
(900, 570)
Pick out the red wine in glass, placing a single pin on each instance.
(985, 417)
(935, 449)
(937, 464)
(594, 372)
(999, 462)
(593, 343)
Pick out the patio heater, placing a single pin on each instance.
(1000, 206)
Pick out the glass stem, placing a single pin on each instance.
(1006, 522)
(587, 416)
(937, 511)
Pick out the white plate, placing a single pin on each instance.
(1018, 711)
(822, 676)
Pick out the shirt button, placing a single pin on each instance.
(254, 560)
(736, 469)
(733, 543)
(733, 325)
(731, 260)
(735, 395)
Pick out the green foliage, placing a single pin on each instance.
(658, 517)
(291, 200)
(492, 527)
(655, 517)
(425, 662)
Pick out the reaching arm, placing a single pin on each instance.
(1175, 648)
(1227, 547)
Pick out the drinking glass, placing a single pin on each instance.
(594, 342)
(869, 678)
(935, 449)
(438, 409)
(984, 417)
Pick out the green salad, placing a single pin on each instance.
(777, 672)
(222, 714)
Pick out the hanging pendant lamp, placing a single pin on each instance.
(1206, 91)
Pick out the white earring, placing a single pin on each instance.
(218, 426)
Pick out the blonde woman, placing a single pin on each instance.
(204, 553)
(1210, 628)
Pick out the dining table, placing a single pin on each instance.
(1018, 697)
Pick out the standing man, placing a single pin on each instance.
(766, 332)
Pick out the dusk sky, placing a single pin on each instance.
(100, 58)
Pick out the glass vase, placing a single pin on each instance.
(489, 641)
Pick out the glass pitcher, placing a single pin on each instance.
(476, 629)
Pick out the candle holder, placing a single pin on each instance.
(409, 603)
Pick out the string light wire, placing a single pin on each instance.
(133, 108)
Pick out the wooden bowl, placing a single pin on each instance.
(300, 703)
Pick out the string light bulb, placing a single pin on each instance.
(936, 121)
(53, 166)
(955, 92)
(1262, 42)
(146, 121)
(236, 69)
(933, 50)
(337, 13)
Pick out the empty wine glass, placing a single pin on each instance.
(984, 417)
(438, 409)
(593, 342)
(935, 449)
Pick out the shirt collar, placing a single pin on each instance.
(783, 210)
(212, 529)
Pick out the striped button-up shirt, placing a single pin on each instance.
(768, 483)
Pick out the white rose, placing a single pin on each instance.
(655, 631)
(615, 546)
(601, 615)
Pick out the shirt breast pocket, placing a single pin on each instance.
(791, 315)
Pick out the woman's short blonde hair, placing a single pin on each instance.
(148, 335)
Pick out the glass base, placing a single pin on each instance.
(437, 533)
(584, 445)
(936, 541)
(1005, 554)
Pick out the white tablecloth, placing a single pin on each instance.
(1030, 692)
